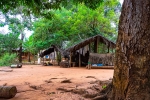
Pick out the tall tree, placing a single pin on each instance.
(29, 47)
(132, 72)
(77, 23)
(8, 42)
(18, 22)
(132, 68)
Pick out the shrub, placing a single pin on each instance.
(7, 59)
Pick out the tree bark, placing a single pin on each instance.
(20, 49)
(34, 57)
(20, 53)
(131, 79)
(29, 60)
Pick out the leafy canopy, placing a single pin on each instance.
(43, 7)
(70, 26)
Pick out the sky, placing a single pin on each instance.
(121, 1)
(5, 30)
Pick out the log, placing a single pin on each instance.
(16, 66)
(7, 92)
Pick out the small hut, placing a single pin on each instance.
(57, 52)
(81, 53)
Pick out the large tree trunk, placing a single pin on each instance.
(131, 79)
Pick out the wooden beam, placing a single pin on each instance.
(79, 59)
(43, 60)
(96, 46)
(108, 49)
(70, 59)
(54, 57)
(49, 58)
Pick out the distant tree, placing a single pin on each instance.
(8, 42)
(18, 23)
(29, 47)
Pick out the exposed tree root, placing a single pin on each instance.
(103, 95)
(66, 81)
(91, 77)
(98, 95)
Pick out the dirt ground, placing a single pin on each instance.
(37, 82)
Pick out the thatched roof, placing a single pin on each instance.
(46, 52)
(51, 49)
(105, 59)
(100, 38)
(65, 53)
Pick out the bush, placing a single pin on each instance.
(7, 59)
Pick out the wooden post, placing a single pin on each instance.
(79, 59)
(82, 50)
(108, 49)
(70, 59)
(43, 60)
(96, 46)
(54, 58)
(49, 58)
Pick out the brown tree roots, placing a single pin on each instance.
(105, 92)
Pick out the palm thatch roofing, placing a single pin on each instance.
(100, 38)
(52, 49)
(105, 59)
(46, 52)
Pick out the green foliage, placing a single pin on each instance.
(104, 86)
(62, 23)
(75, 24)
(7, 59)
(29, 45)
(8, 42)
(42, 7)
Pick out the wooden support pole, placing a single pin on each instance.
(108, 49)
(70, 59)
(43, 60)
(82, 50)
(96, 46)
(49, 58)
(79, 59)
(54, 57)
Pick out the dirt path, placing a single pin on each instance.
(36, 82)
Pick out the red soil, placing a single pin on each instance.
(37, 82)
